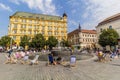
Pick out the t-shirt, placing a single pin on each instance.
(50, 58)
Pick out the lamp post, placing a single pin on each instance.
(10, 29)
(11, 43)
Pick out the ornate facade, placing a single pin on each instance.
(83, 38)
(24, 23)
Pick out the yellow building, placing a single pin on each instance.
(24, 23)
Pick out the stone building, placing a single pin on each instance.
(112, 22)
(24, 23)
(83, 38)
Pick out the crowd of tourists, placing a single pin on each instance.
(24, 57)
(104, 55)
(13, 57)
(52, 60)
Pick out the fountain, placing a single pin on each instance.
(65, 53)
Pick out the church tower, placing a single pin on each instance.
(64, 17)
(79, 28)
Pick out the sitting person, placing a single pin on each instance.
(100, 55)
(72, 61)
(51, 59)
(25, 59)
(10, 52)
(60, 60)
(35, 60)
(10, 59)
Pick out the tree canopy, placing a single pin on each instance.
(52, 42)
(65, 43)
(6, 41)
(24, 41)
(38, 41)
(108, 37)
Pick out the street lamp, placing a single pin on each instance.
(11, 43)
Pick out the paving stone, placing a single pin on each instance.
(85, 70)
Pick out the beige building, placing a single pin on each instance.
(110, 22)
(83, 38)
(24, 23)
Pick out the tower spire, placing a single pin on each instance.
(79, 28)
(64, 14)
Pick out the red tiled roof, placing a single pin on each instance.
(73, 32)
(83, 31)
(88, 31)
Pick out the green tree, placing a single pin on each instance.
(52, 42)
(108, 37)
(38, 41)
(6, 41)
(24, 41)
(65, 43)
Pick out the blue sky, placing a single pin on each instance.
(87, 13)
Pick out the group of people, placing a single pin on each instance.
(19, 56)
(53, 61)
(24, 57)
(60, 60)
(107, 55)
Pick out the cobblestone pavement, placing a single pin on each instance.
(85, 70)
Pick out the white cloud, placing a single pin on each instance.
(5, 7)
(85, 15)
(15, 1)
(72, 22)
(98, 10)
(74, 3)
(45, 6)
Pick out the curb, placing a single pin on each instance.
(93, 58)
